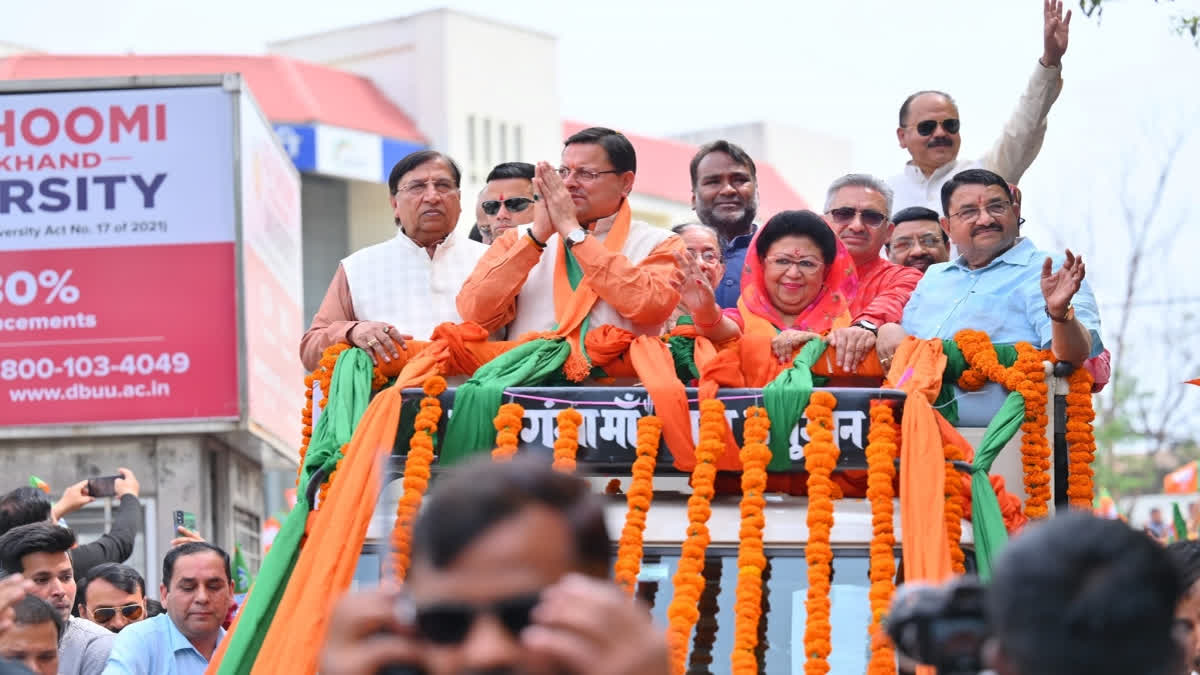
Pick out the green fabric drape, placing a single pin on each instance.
(683, 350)
(1181, 529)
(574, 276)
(471, 427)
(987, 522)
(785, 398)
(947, 403)
(349, 393)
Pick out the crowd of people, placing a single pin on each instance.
(933, 250)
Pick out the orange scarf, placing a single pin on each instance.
(572, 306)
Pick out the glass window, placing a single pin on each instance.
(781, 629)
(486, 141)
(502, 136)
(471, 138)
(518, 155)
(247, 532)
(92, 521)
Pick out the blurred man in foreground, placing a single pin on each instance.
(509, 575)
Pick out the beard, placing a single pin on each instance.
(732, 225)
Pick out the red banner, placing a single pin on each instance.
(117, 334)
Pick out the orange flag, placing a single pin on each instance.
(1195, 382)
(1182, 480)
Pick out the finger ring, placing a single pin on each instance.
(387, 329)
(372, 342)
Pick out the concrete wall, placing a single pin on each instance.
(196, 473)
(324, 205)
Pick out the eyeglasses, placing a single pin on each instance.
(710, 257)
(513, 204)
(926, 240)
(845, 215)
(450, 623)
(782, 265)
(927, 127)
(582, 175)
(106, 614)
(418, 188)
(971, 213)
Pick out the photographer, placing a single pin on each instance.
(28, 505)
(509, 574)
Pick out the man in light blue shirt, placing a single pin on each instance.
(1000, 283)
(196, 592)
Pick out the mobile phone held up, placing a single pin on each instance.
(185, 519)
(102, 486)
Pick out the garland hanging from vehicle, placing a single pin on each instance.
(881, 471)
(820, 459)
(1081, 439)
(416, 473)
(641, 493)
(566, 447)
(755, 456)
(508, 428)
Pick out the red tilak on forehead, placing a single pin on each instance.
(798, 253)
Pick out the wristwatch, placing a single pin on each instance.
(575, 237)
(1068, 316)
(866, 325)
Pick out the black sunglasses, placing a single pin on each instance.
(449, 623)
(514, 204)
(844, 215)
(927, 127)
(106, 614)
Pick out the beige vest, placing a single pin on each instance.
(535, 303)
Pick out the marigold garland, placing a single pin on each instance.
(955, 508)
(1081, 439)
(881, 450)
(416, 473)
(323, 375)
(508, 426)
(820, 459)
(566, 447)
(755, 456)
(638, 499)
(688, 581)
(1035, 448)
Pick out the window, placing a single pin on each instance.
(502, 135)
(518, 155)
(781, 629)
(486, 140)
(94, 520)
(471, 139)
(247, 534)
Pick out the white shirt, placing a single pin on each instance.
(398, 283)
(1010, 157)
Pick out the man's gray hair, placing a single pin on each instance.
(860, 180)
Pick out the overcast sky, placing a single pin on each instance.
(840, 67)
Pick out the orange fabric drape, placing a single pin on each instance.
(920, 363)
(572, 306)
(655, 367)
(719, 368)
(327, 561)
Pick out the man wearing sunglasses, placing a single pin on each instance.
(929, 126)
(510, 565)
(857, 207)
(584, 262)
(918, 239)
(508, 198)
(114, 596)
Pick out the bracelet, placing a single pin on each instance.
(534, 240)
(696, 321)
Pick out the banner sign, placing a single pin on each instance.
(608, 435)
(117, 270)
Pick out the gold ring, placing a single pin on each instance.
(372, 342)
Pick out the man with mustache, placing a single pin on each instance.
(197, 590)
(856, 208)
(929, 126)
(725, 197)
(1000, 284)
(584, 262)
(510, 576)
(404, 287)
(918, 240)
(38, 552)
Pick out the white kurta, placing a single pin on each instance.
(398, 283)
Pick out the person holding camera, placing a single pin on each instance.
(26, 505)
